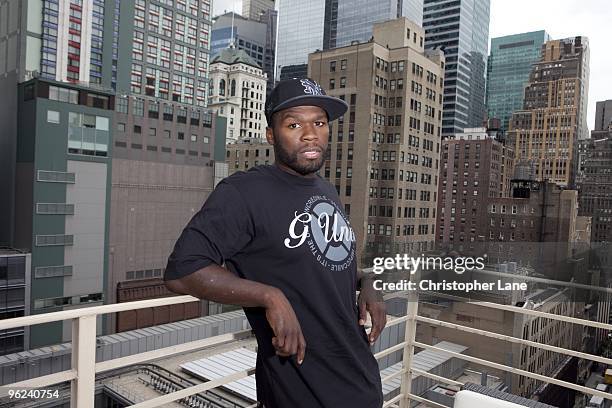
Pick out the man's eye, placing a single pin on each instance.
(294, 125)
(319, 123)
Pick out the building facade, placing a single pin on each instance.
(475, 167)
(553, 117)
(60, 40)
(238, 92)
(255, 36)
(603, 115)
(170, 50)
(327, 24)
(508, 69)
(383, 154)
(594, 183)
(461, 30)
(62, 197)
(355, 18)
(537, 224)
(165, 160)
(248, 153)
(254, 9)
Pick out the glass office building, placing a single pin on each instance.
(356, 17)
(461, 29)
(508, 68)
(300, 31)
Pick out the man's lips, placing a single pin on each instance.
(311, 153)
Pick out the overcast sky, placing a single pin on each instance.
(560, 18)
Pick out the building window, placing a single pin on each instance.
(332, 66)
(88, 134)
(152, 131)
(332, 83)
(121, 127)
(63, 95)
(194, 138)
(343, 82)
(53, 116)
(167, 134)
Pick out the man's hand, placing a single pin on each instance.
(288, 338)
(371, 300)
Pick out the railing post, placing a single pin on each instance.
(412, 308)
(83, 388)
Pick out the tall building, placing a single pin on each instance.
(62, 197)
(327, 24)
(256, 37)
(293, 45)
(255, 9)
(461, 30)
(355, 18)
(554, 111)
(475, 167)
(170, 50)
(237, 91)
(508, 70)
(14, 298)
(383, 154)
(603, 115)
(61, 40)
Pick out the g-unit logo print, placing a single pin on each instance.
(326, 232)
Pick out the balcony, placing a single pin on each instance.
(80, 382)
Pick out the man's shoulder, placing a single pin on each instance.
(250, 179)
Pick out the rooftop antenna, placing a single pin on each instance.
(232, 45)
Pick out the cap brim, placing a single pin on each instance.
(333, 106)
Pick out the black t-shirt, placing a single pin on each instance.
(290, 232)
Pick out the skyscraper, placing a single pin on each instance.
(295, 43)
(356, 18)
(383, 154)
(461, 29)
(255, 9)
(553, 117)
(508, 70)
(326, 24)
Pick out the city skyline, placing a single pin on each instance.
(510, 18)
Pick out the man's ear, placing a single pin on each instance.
(270, 135)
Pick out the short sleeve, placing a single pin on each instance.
(219, 230)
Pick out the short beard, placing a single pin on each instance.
(283, 156)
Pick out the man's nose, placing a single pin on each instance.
(310, 132)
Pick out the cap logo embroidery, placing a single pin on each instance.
(311, 87)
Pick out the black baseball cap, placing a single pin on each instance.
(301, 92)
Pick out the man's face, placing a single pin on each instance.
(299, 136)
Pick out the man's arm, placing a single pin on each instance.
(371, 300)
(218, 284)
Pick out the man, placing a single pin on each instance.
(276, 241)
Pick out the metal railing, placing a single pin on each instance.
(82, 374)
